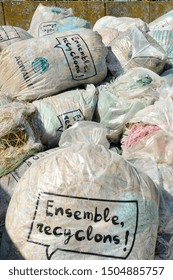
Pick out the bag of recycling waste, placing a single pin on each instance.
(12, 34)
(62, 25)
(10, 180)
(109, 27)
(164, 22)
(40, 68)
(164, 244)
(17, 138)
(91, 205)
(56, 113)
(45, 19)
(165, 40)
(122, 98)
(134, 48)
(121, 24)
(149, 134)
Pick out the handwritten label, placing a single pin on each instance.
(78, 56)
(67, 119)
(8, 33)
(47, 28)
(83, 225)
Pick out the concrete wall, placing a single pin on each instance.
(19, 13)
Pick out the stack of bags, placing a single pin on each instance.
(86, 139)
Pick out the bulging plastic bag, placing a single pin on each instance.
(161, 174)
(109, 27)
(56, 113)
(45, 19)
(121, 99)
(150, 133)
(12, 34)
(84, 201)
(121, 24)
(17, 138)
(10, 180)
(40, 67)
(134, 48)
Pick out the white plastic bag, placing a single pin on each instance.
(84, 201)
(62, 25)
(134, 48)
(12, 34)
(150, 133)
(122, 98)
(56, 113)
(121, 24)
(161, 174)
(45, 19)
(42, 67)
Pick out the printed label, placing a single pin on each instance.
(8, 33)
(69, 118)
(78, 56)
(83, 225)
(47, 28)
(40, 65)
(23, 70)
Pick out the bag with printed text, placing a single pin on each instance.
(45, 19)
(84, 201)
(56, 113)
(11, 34)
(40, 68)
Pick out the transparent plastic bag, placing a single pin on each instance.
(84, 201)
(122, 98)
(150, 133)
(161, 174)
(56, 113)
(134, 48)
(121, 24)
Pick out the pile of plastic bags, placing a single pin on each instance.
(86, 138)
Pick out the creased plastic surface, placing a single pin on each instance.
(42, 67)
(157, 144)
(91, 205)
(45, 19)
(121, 99)
(57, 113)
(134, 48)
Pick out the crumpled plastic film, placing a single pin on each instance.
(84, 201)
(155, 140)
